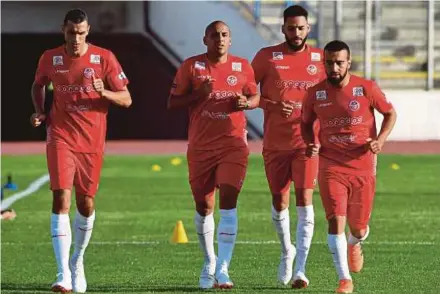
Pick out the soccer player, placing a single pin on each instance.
(344, 104)
(86, 80)
(216, 87)
(285, 72)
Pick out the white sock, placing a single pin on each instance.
(205, 228)
(338, 248)
(352, 240)
(61, 241)
(226, 234)
(281, 221)
(83, 233)
(304, 234)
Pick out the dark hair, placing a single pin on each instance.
(337, 45)
(295, 10)
(76, 16)
(213, 24)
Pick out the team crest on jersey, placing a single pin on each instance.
(321, 95)
(232, 80)
(277, 55)
(312, 69)
(354, 105)
(199, 65)
(57, 60)
(89, 72)
(95, 59)
(315, 56)
(358, 91)
(236, 66)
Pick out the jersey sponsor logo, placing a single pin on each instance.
(325, 104)
(315, 56)
(236, 66)
(342, 121)
(89, 72)
(221, 94)
(358, 91)
(122, 75)
(78, 108)
(312, 69)
(282, 67)
(354, 105)
(321, 95)
(277, 56)
(282, 84)
(74, 88)
(215, 115)
(95, 59)
(199, 65)
(345, 138)
(232, 80)
(57, 60)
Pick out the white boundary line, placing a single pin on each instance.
(33, 187)
(267, 242)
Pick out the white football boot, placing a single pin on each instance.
(285, 269)
(79, 282)
(207, 276)
(63, 283)
(222, 277)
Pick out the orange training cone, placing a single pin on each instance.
(179, 234)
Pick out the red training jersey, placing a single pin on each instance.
(286, 76)
(346, 117)
(78, 117)
(215, 122)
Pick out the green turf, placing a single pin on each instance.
(135, 204)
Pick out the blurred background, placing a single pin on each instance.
(396, 43)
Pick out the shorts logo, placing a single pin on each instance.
(122, 76)
(314, 182)
(315, 56)
(354, 105)
(199, 65)
(57, 60)
(321, 95)
(277, 55)
(312, 69)
(95, 59)
(236, 66)
(232, 80)
(89, 72)
(358, 91)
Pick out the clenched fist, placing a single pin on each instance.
(37, 119)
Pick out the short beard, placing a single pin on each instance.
(337, 81)
(294, 47)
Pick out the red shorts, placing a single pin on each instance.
(68, 169)
(347, 195)
(283, 167)
(209, 169)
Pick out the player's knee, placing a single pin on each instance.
(359, 231)
(303, 197)
(204, 208)
(228, 196)
(61, 201)
(336, 225)
(280, 201)
(85, 205)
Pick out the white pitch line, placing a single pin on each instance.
(33, 187)
(267, 242)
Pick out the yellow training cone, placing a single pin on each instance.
(156, 167)
(179, 234)
(395, 166)
(176, 161)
